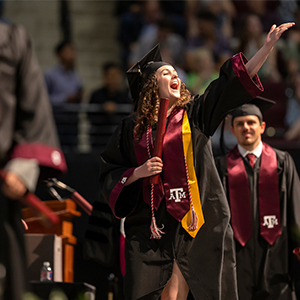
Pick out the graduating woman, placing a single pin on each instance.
(178, 236)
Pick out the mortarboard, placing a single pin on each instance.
(254, 107)
(140, 72)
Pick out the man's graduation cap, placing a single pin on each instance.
(140, 72)
(255, 107)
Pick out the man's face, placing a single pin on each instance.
(168, 83)
(68, 55)
(248, 131)
(113, 79)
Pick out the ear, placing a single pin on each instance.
(262, 127)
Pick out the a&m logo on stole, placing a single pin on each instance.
(270, 221)
(177, 194)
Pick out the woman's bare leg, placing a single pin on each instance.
(176, 288)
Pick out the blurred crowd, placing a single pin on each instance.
(196, 37)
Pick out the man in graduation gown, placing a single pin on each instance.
(263, 189)
(29, 149)
(204, 255)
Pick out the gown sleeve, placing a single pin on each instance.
(34, 135)
(233, 88)
(293, 201)
(117, 163)
(103, 231)
(293, 218)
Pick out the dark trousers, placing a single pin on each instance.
(13, 282)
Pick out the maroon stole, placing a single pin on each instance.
(268, 196)
(173, 180)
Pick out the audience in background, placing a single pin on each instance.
(224, 12)
(196, 37)
(108, 105)
(64, 85)
(130, 14)
(149, 13)
(202, 70)
(286, 10)
(164, 34)
(207, 35)
(251, 39)
(292, 53)
(211, 29)
(292, 117)
(114, 91)
(63, 82)
(265, 9)
(175, 11)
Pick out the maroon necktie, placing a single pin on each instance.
(251, 159)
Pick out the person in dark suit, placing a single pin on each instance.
(29, 149)
(263, 189)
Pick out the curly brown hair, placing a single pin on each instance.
(148, 105)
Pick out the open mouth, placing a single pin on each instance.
(174, 86)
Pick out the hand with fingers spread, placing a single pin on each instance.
(255, 63)
(276, 32)
(13, 187)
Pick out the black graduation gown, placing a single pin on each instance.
(264, 271)
(27, 131)
(207, 261)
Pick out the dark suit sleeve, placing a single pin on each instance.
(35, 133)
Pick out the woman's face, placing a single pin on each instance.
(254, 26)
(168, 83)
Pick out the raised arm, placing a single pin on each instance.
(255, 63)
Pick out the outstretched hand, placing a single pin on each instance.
(255, 63)
(276, 32)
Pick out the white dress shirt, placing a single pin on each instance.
(257, 151)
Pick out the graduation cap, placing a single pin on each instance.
(140, 72)
(254, 107)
